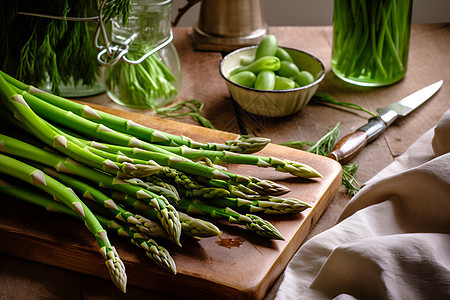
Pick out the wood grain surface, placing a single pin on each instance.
(238, 264)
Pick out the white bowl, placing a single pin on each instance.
(276, 103)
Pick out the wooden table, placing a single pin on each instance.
(428, 62)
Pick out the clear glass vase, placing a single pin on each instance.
(74, 89)
(77, 85)
(157, 79)
(371, 40)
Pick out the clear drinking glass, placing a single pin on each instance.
(371, 40)
(157, 79)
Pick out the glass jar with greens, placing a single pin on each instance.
(149, 81)
(49, 44)
(371, 40)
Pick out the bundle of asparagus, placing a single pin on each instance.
(134, 181)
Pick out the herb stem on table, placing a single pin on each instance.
(323, 147)
(324, 98)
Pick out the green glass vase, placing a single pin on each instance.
(371, 40)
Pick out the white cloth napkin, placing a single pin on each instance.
(392, 240)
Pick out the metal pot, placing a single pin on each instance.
(225, 25)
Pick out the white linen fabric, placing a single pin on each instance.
(392, 240)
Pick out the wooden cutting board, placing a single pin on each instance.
(237, 265)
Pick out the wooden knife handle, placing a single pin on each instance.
(352, 143)
(349, 146)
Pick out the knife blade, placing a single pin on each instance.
(346, 148)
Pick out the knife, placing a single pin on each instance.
(354, 142)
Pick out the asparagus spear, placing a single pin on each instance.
(98, 131)
(198, 228)
(141, 156)
(152, 229)
(192, 227)
(251, 222)
(186, 182)
(170, 193)
(135, 167)
(167, 174)
(141, 168)
(253, 189)
(191, 190)
(221, 157)
(222, 188)
(87, 127)
(267, 205)
(155, 252)
(214, 190)
(243, 144)
(272, 205)
(189, 167)
(36, 197)
(166, 212)
(89, 192)
(17, 105)
(37, 178)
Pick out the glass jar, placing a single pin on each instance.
(371, 40)
(157, 79)
(77, 72)
(73, 89)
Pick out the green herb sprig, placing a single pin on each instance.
(326, 143)
(323, 147)
(194, 108)
(325, 98)
(348, 178)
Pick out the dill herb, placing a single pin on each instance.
(117, 8)
(37, 49)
